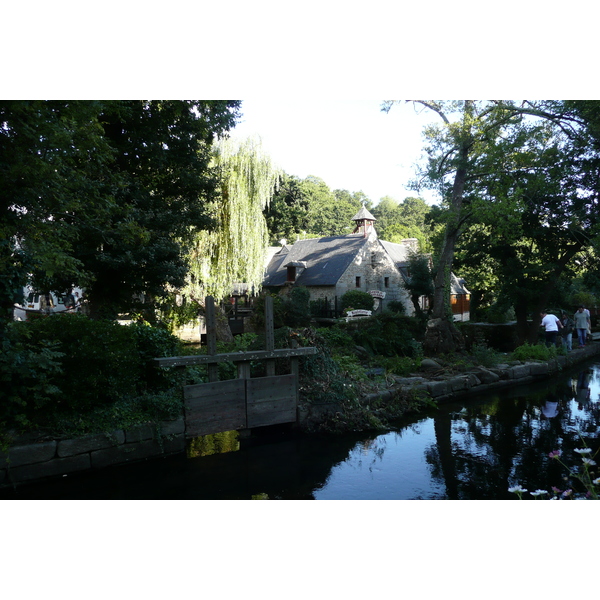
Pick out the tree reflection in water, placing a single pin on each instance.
(491, 444)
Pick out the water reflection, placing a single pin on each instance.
(215, 443)
(480, 449)
(474, 450)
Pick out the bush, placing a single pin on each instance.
(398, 365)
(485, 356)
(536, 352)
(296, 307)
(71, 364)
(27, 371)
(385, 334)
(396, 306)
(357, 300)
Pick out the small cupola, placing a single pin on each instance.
(364, 222)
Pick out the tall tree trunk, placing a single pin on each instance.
(442, 336)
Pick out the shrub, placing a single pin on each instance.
(27, 371)
(385, 334)
(398, 365)
(296, 307)
(69, 363)
(485, 356)
(396, 306)
(357, 299)
(535, 352)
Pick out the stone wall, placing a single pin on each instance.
(36, 460)
(373, 265)
(443, 388)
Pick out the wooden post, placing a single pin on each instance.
(211, 337)
(270, 334)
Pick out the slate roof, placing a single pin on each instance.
(362, 214)
(457, 286)
(326, 260)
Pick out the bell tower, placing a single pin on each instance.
(364, 222)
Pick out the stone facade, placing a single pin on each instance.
(373, 269)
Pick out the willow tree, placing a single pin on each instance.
(234, 250)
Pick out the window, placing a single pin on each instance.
(386, 282)
(358, 282)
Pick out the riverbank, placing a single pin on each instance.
(34, 457)
(431, 386)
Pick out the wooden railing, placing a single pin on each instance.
(245, 402)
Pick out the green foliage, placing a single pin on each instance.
(308, 208)
(398, 365)
(296, 307)
(62, 366)
(386, 334)
(104, 194)
(485, 356)
(258, 314)
(27, 372)
(585, 298)
(420, 282)
(336, 338)
(535, 352)
(357, 299)
(396, 306)
(289, 310)
(233, 250)
(408, 219)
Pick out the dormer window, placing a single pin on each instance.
(294, 270)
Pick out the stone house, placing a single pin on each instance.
(331, 266)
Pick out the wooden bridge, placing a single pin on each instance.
(245, 402)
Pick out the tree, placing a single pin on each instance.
(308, 208)
(420, 282)
(55, 179)
(104, 194)
(234, 251)
(474, 153)
(535, 216)
(407, 219)
(286, 215)
(162, 161)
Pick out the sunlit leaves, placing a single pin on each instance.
(234, 252)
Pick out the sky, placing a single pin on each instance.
(349, 143)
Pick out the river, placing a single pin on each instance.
(474, 449)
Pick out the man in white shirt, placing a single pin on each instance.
(551, 324)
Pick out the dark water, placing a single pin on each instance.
(471, 450)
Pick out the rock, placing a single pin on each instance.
(428, 364)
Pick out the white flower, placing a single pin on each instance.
(517, 489)
(588, 461)
(538, 492)
(583, 450)
(596, 481)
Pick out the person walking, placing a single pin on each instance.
(551, 324)
(567, 331)
(582, 323)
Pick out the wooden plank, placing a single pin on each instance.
(214, 407)
(269, 324)
(211, 336)
(202, 359)
(243, 370)
(269, 334)
(271, 400)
